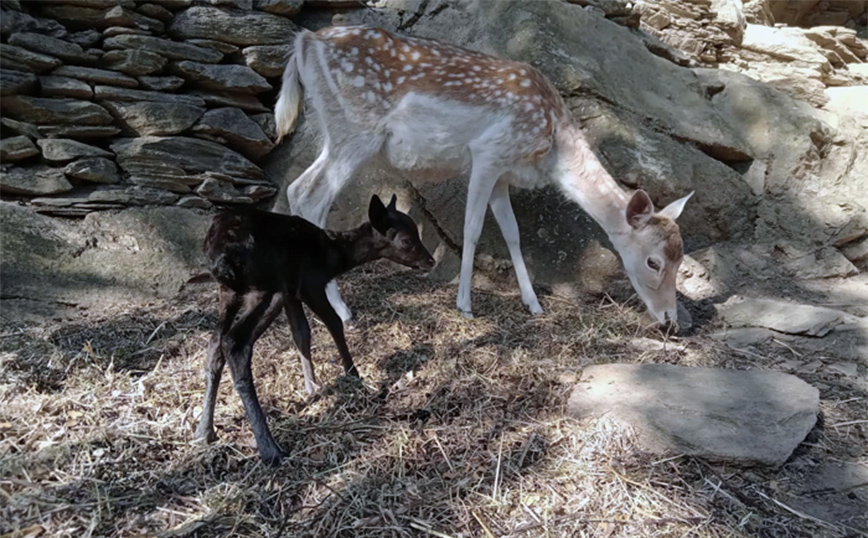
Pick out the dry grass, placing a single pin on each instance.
(458, 430)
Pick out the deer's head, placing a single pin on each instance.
(651, 250)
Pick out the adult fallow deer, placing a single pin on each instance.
(431, 111)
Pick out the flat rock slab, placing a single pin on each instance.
(742, 417)
(783, 317)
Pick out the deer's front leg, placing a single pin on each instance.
(482, 179)
(503, 213)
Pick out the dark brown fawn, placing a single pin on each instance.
(267, 261)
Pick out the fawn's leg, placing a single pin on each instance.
(301, 334)
(230, 302)
(238, 348)
(319, 304)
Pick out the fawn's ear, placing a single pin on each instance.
(378, 215)
(392, 203)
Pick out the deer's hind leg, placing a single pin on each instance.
(316, 193)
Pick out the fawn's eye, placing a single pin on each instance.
(653, 264)
(405, 242)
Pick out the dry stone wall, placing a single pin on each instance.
(114, 103)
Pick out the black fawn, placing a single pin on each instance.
(264, 261)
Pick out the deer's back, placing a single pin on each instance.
(369, 73)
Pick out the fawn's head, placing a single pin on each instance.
(652, 253)
(401, 236)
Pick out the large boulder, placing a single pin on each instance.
(111, 258)
(16, 148)
(52, 46)
(59, 150)
(714, 132)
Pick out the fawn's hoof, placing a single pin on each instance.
(204, 436)
(272, 456)
(466, 314)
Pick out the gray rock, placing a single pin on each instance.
(266, 123)
(225, 48)
(94, 4)
(93, 169)
(856, 251)
(85, 38)
(172, 50)
(112, 31)
(222, 192)
(259, 192)
(59, 150)
(19, 128)
(241, 132)
(33, 181)
(143, 196)
(782, 317)
(85, 17)
(154, 118)
(285, 8)
(161, 84)
(743, 417)
(156, 11)
(244, 101)
(52, 46)
(21, 59)
(174, 4)
(43, 111)
(15, 82)
(16, 148)
(235, 78)
(267, 60)
(12, 21)
(178, 184)
(99, 76)
(54, 86)
(79, 131)
(194, 202)
(134, 62)
(190, 154)
(232, 26)
(105, 93)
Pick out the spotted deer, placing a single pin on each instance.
(431, 111)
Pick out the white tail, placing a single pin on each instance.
(433, 110)
(289, 101)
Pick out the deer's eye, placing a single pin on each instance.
(653, 264)
(405, 242)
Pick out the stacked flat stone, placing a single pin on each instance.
(113, 103)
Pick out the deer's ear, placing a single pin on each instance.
(673, 210)
(378, 215)
(392, 203)
(639, 209)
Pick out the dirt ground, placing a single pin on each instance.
(458, 430)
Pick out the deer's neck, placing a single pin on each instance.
(583, 179)
(354, 247)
